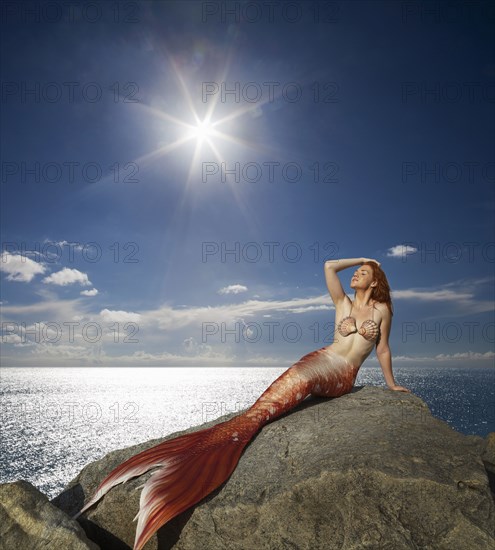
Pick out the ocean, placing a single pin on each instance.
(55, 421)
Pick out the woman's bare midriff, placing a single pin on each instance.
(352, 349)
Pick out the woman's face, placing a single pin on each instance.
(362, 278)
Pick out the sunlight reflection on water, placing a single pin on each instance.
(55, 421)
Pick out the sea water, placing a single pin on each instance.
(55, 421)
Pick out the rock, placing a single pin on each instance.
(488, 457)
(29, 520)
(371, 469)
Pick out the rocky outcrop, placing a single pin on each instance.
(371, 469)
(28, 520)
(488, 457)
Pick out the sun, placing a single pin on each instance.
(202, 131)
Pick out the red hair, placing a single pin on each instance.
(380, 292)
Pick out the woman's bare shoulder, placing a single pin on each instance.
(382, 308)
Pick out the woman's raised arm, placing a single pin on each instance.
(332, 267)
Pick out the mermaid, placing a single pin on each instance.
(189, 467)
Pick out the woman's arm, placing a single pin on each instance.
(383, 352)
(332, 267)
(332, 279)
(339, 265)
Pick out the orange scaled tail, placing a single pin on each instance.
(193, 465)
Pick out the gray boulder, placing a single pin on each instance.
(28, 520)
(488, 457)
(371, 469)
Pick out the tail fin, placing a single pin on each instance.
(193, 465)
(189, 468)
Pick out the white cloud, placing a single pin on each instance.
(202, 351)
(66, 277)
(266, 360)
(114, 316)
(443, 357)
(19, 268)
(74, 245)
(58, 309)
(466, 359)
(11, 339)
(233, 289)
(431, 295)
(209, 357)
(189, 344)
(471, 283)
(169, 318)
(92, 292)
(321, 307)
(469, 355)
(66, 351)
(400, 251)
(167, 326)
(33, 253)
(461, 299)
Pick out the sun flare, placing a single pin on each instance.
(207, 133)
(202, 131)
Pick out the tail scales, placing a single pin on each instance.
(139, 464)
(193, 465)
(171, 491)
(188, 468)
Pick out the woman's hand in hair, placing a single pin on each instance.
(364, 260)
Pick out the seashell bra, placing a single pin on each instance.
(369, 329)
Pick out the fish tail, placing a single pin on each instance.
(187, 469)
(191, 466)
(157, 456)
(204, 464)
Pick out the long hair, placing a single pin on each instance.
(380, 292)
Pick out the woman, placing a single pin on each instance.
(193, 465)
(370, 322)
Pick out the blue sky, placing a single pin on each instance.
(128, 237)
